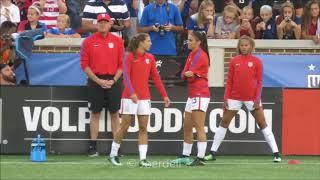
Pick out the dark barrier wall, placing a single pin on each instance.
(60, 114)
(301, 109)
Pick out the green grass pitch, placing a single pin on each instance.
(77, 167)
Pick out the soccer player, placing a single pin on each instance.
(138, 67)
(196, 74)
(244, 86)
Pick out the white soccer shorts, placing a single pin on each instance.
(236, 105)
(143, 107)
(197, 103)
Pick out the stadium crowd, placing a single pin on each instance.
(167, 21)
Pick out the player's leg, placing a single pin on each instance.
(128, 110)
(198, 119)
(143, 140)
(187, 136)
(114, 102)
(228, 115)
(115, 122)
(118, 137)
(267, 133)
(94, 128)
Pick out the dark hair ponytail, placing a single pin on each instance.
(202, 37)
(135, 41)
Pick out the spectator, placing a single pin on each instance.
(7, 55)
(33, 20)
(50, 11)
(6, 75)
(266, 26)
(23, 6)
(133, 7)
(9, 12)
(162, 20)
(311, 21)
(73, 11)
(247, 25)
(188, 8)
(239, 5)
(117, 9)
(63, 29)
(204, 20)
(298, 6)
(288, 24)
(227, 24)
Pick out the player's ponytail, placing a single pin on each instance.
(135, 41)
(202, 37)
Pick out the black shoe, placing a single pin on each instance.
(92, 152)
(197, 162)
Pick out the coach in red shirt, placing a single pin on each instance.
(101, 60)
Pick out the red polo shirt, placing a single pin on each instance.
(103, 55)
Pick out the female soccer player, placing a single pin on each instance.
(196, 74)
(244, 87)
(138, 67)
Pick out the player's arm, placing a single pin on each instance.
(229, 84)
(200, 68)
(158, 83)
(121, 57)
(259, 75)
(127, 65)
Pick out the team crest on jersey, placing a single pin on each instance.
(250, 64)
(147, 61)
(111, 45)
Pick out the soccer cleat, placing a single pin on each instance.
(115, 161)
(182, 160)
(92, 152)
(277, 157)
(144, 163)
(197, 162)
(210, 157)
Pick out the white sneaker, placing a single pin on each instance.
(277, 157)
(115, 161)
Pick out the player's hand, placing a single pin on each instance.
(189, 74)
(225, 105)
(166, 101)
(134, 98)
(256, 105)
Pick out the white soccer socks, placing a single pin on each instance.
(218, 137)
(202, 146)
(114, 149)
(269, 137)
(186, 149)
(143, 148)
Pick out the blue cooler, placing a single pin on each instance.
(38, 150)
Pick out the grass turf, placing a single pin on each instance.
(71, 167)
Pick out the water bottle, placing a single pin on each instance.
(38, 150)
